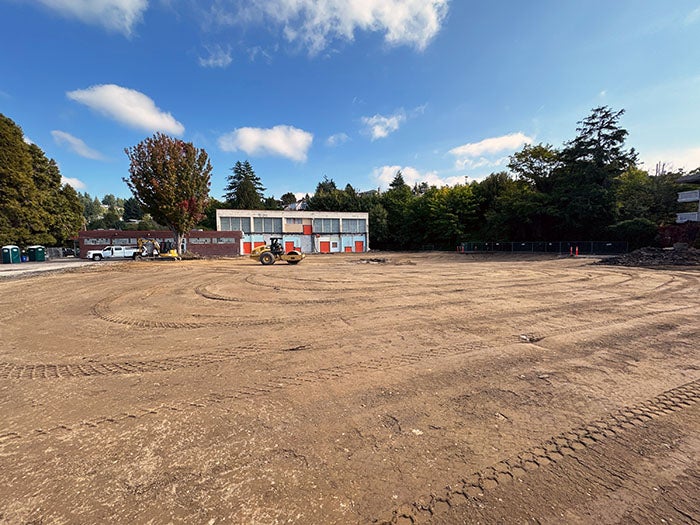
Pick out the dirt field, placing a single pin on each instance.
(438, 388)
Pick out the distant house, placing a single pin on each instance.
(689, 196)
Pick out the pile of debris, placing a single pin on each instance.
(656, 257)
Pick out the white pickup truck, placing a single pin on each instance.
(112, 252)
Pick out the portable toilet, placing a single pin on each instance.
(36, 253)
(10, 254)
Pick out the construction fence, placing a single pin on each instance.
(559, 247)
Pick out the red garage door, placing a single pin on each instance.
(325, 246)
(359, 246)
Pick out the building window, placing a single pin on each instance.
(226, 240)
(267, 225)
(354, 226)
(294, 220)
(235, 224)
(326, 225)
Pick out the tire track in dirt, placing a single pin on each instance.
(72, 370)
(103, 311)
(38, 371)
(203, 291)
(553, 450)
(256, 389)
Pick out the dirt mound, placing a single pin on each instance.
(656, 257)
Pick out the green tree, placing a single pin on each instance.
(92, 208)
(19, 198)
(288, 198)
(132, 210)
(170, 179)
(110, 201)
(397, 201)
(35, 207)
(582, 188)
(652, 197)
(60, 207)
(244, 190)
(536, 165)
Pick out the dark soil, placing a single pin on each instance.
(656, 257)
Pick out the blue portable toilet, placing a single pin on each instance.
(10, 254)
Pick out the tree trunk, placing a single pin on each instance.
(178, 237)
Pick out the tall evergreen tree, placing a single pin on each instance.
(244, 190)
(582, 190)
(35, 208)
(132, 210)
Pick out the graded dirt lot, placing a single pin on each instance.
(438, 388)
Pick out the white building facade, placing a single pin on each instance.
(689, 196)
(306, 231)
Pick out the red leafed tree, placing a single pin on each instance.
(170, 179)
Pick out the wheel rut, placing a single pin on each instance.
(570, 443)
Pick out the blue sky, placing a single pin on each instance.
(351, 90)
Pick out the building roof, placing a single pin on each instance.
(692, 178)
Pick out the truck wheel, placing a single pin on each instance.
(97, 257)
(267, 258)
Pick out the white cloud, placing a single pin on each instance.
(337, 139)
(75, 183)
(76, 145)
(379, 126)
(687, 159)
(693, 16)
(27, 140)
(127, 106)
(315, 23)
(282, 141)
(114, 15)
(218, 57)
(476, 154)
(412, 176)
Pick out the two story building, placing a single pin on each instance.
(307, 231)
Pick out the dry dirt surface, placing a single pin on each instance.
(409, 388)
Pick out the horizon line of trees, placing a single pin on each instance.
(589, 188)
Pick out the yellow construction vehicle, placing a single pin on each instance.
(152, 249)
(274, 252)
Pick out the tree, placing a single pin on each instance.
(244, 190)
(170, 179)
(35, 207)
(652, 197)
(536, 165)
(397, 202)
(582, 187)
(132, 210)
(326, 186)
(288, 198)
(110, 201)
(92, 208)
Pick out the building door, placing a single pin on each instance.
(359, 246)
(246, 247)
(348, 249)
(325, 247)
(288, 246)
